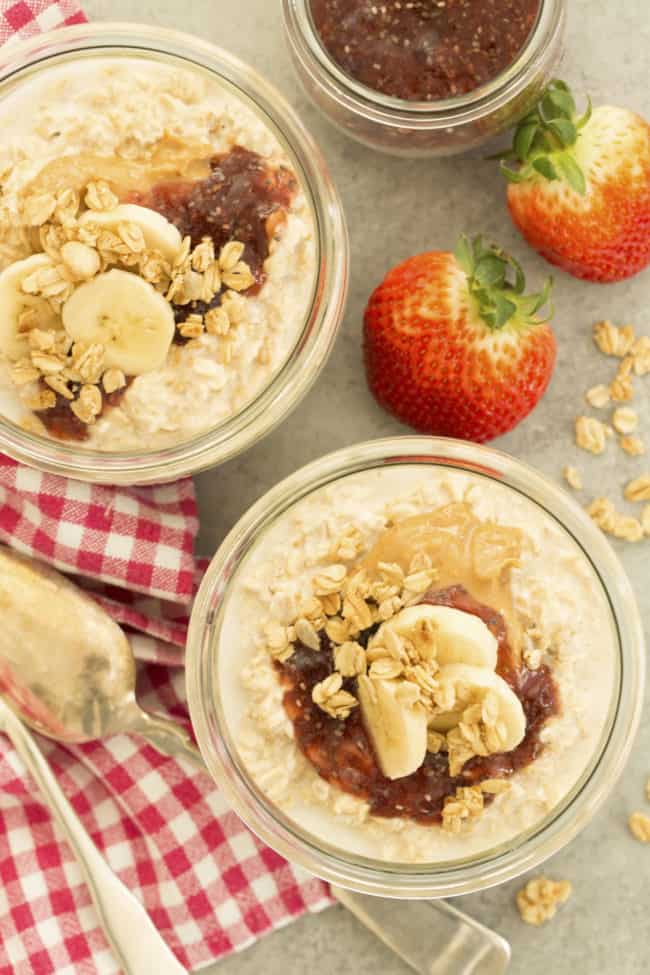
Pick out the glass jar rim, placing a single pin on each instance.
(460, 109)
(311, 346)
(515, 856)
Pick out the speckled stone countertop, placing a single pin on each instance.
(605, 927)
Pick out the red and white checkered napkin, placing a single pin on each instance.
(209, 885)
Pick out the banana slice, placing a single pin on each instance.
(159, 234)
(127, 316)
(397, 729)
(13, 302)
(466, 685)
(449, 635)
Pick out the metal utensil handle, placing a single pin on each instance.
(135, 940)
(430, 936)
(167, 736)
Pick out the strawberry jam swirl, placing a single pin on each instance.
(341, 751)
(243, 199)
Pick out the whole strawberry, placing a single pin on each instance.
(453, 346)
(581, 193)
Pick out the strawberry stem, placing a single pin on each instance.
(544, 139)
(496, 282)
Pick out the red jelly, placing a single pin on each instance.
(423, 50)
(342, 753)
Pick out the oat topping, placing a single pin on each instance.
(639, 825)
(539, 899)
(329, 696)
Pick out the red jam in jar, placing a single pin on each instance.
(424, 50)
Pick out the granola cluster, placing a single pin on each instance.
(593, 435)
(538, 901)
(203, 287)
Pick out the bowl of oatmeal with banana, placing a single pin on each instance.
(415, 667)
(174, 256)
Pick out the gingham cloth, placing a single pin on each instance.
(208, 884)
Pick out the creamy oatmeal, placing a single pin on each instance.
(420, 664)
(157, 257)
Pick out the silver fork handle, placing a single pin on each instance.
(432, 937)
(130, 931)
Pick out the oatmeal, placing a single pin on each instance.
(158, 255)
(424, 664)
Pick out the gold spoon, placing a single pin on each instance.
(66, 668)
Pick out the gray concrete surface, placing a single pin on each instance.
(605, 928)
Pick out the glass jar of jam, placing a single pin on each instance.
(427, 78)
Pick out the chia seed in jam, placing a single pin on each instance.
(341, 751)
(424, 50)
(243, 198)
(62, 423)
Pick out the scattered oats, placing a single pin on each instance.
(628, 529)
(88, 405)
(638, 489)
(192, 327)
(572, 477)
(112, 380)
(632, 445)
(23, 372)
(230, 255)
(81, 261)
(621, 389)
(645, 519)
(38, 209)
(603, 512)
(217, 321)
(59, 385)
(598, 396)
(612, 340)
(639, 825)
(307, 634)
(350, 659)
(641, 356)
(625, 420)
(539, 899)
(494, 786)
(42, 399)
(99, 196)
(591, 434)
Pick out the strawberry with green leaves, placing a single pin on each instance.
(580, 188)
(454, 347)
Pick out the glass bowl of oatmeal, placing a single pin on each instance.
(174, 256)
(415, 667)
(422, 78)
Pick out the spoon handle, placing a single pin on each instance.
(130, 931)
(165, 735)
